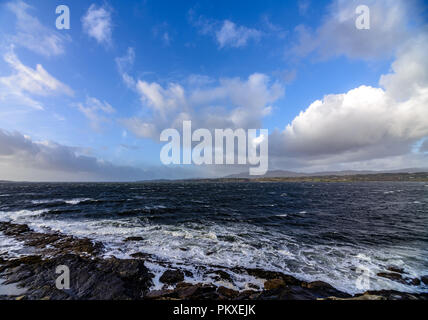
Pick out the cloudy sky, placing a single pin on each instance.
(89, 103)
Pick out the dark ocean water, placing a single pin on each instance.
(325, 231)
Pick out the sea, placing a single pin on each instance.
(340, 233)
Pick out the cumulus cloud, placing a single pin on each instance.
(53, 160)
(338, 35)
(230, 103)
(235, 36)
(26, 82)
(367, 122)
(97, 23)
(32, 35)
(227, 33)
(96, 111)
(22, 158)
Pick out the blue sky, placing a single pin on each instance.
(128, 69)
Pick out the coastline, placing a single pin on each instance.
(94, 277)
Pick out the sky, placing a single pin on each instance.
(88, 103)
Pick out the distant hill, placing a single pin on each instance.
(292, 174)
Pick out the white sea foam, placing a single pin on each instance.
(46, 201)
(77, 201)
(10, 247)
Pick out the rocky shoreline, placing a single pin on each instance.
(94, 277)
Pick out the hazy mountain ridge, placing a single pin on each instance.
(292, 174)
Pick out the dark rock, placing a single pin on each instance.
(156, 294)
(321, 289)
(227, 293)
(253, 286)
(11, 229)
(195, 292)
(274, 284)
(99, 279)
(134, 239)
(392, 295)
(269, 275)
(188, 273)
(395, 269)
(424, 279)
(413, 281)
(248, 295)
(57, 243)
(140, 255)
(223, 275)
(186, 290)
(392, 276)
(172, 276)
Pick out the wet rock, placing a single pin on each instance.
(156, 294)
(253, 286)
(195, 292)
(11, 229)
(28, 260)
(395, 269)
(140, 255)
(223, 275)
(413, 281)
(99, 279)
(188, 273)
(274, 284)
(50, 243)
(424, 279)
(269, 275)
(390, 295)
(392, 276)
(129, 239)
(248, 295)
(321, 289)
(227, 293)
(172, 276)
(186, 290)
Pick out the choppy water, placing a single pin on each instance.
(322, 231)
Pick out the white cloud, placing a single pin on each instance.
(22, 158)
(124, 64)
(34, 36)
(97, 23)
(231, 103)
(227, 33)
(367, 122)
(235, 36)
(338, 35)
(25, 83)
(96, 111)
